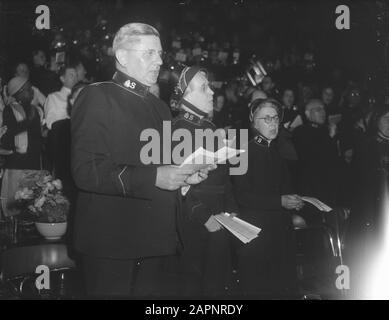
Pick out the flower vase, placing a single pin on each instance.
(51, 231)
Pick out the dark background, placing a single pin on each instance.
(308, 24)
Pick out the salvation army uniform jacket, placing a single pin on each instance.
(214, 195)
(120, 213)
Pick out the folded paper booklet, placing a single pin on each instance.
(241, 229)
(317, 203)
(202, 158)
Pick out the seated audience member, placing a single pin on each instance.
(269, 87)
(371, 177)
(318, 161)
(45, 80)
(266, 264)
(291, 119)
(22, 70)
(328, 98)
(56, 109)
(23, 137)
(222, 114)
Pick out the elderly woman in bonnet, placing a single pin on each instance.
(23, 138)
(265, 199)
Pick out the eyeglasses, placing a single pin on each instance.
(269, 120)
(150, 53)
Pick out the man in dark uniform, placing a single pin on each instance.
(207, 258)
(126, 223)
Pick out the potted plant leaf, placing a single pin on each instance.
(42, 196)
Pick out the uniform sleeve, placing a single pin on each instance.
(231, 205)
(93, 168)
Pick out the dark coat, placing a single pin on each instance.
(32, 158)
(319, 164)
(266, 263)
(120, 212)
(206, 261)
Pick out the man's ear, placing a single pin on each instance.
(121, 56)
(62, 78)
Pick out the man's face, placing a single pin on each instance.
(22, 71)
(383, 125)
(69, 79)
(288, 98)
(267, 84)
(142, 60)
(327, 96)
(200, 94)
(316, 113)
(81, 72)
(354, 97)
(39, 59)
(219, 103)
(266, 122)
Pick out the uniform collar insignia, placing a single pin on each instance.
(189, 116)
(262, 141)
(130, 83)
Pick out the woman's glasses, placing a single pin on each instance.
(269, 119)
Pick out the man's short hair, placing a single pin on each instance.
(63, 68)
(130, 33)
(311, 103)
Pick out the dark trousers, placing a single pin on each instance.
(132, 278)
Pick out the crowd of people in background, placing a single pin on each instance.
(333, 135)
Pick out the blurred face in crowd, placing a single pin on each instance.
(354, 97)
(315, 112)
(306, 93)
(39, 58)
(288, 98)
(327, 96)
(219, 103)
(199, 93)
(266, 121)
(69, 79)
(22, 70)
(267, 84)
(25, 94)
(383, 124)
(142, 59)
(81, 72)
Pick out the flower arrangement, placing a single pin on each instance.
(42, 196)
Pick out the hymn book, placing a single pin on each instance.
(241, 229)
(201, 159)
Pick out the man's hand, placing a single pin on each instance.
(212, 225)
(172, 177)
(200, 175)
(292, 202)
